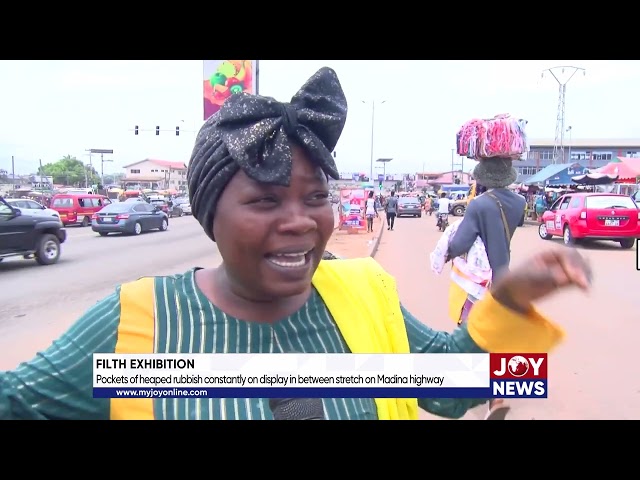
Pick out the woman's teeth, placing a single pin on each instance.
(291, 260)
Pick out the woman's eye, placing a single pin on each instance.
(320, 196)
(264, 200)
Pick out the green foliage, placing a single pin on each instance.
(70, 171)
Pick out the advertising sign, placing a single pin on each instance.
(223, 78)
(352, 207)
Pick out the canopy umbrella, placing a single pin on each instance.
(594, 179)
(623, 170)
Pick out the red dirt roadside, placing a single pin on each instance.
(355, 245)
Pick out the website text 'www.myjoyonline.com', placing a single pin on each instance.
(165, 393)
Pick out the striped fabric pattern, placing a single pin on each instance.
(57, 384)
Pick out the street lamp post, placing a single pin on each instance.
(373, 120)
(384, 162)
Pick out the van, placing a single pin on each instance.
(78, 208)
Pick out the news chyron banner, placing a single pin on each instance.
(223, 78)
(320, 376)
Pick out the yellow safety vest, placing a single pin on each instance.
(369, 319)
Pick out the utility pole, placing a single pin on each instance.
(455, 166)
(568, 73)
(102, 152)
(373, 122)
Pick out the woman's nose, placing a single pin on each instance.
(297, 220)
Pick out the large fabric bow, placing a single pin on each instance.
(252, 133)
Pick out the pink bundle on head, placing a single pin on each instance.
(501, 136)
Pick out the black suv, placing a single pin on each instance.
(29, 236)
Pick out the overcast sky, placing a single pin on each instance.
(54, 108)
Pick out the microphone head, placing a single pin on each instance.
(297, 408)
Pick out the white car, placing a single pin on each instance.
(186, 208)
(31, 207)
(184, 204)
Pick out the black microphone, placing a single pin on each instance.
(297, 408)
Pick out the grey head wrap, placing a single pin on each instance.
(252, 133)
(495, 172)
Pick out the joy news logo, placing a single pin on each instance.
(518, 375)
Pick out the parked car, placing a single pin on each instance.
(29, 236)
(77, 208)
(129, 217)
(409, 206)
(593, 216)
(31, 207)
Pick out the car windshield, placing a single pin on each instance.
(408, 200)
(599, 202)
(119, 207)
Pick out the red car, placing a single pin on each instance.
(594, 216)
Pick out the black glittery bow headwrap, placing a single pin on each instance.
(251, 133)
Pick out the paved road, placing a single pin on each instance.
(590, 376)
(39, 303)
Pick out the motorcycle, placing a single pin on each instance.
(443, 221)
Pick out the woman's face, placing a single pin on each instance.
(272, 238)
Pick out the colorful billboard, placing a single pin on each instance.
(223, 78)
(352, 207)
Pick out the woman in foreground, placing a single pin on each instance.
(258, 186)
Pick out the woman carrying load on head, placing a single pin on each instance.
(258, 186)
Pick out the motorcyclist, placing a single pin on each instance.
(443, 207)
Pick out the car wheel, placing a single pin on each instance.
(85, 222)
(567, 237)
(48, 250)
(137, 228)
(164, 225)
(627, 243)
(542, 231)
(458, 211)
(103, 234)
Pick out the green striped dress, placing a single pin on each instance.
(58, 383)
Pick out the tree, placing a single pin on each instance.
(4, 176)
(70, 171)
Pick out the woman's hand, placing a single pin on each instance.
(544, 274)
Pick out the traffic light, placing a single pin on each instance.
(177, 131)
(135, 129)
(157, 130)
(380, 185)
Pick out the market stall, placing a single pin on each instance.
(595, 178)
